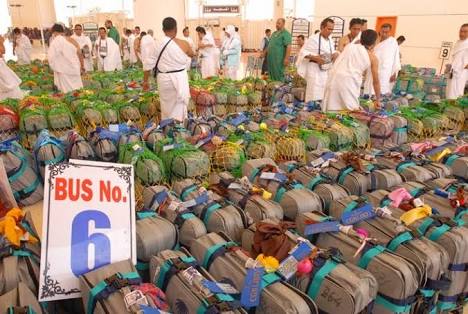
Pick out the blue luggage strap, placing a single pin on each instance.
(17, 309)
(344, 173)
(186, 191)
(282, 190)
(400, 239)
(208, 210)
(214, 251)
(314, 182)
(322, 268)
(450, 159)
(103, 289)
(403, 165)
(447, 303)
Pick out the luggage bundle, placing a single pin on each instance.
(336, 286)
(159, 199)
(149, 107)
(314, 139)
(108, 113)
(32, 121)
(48, 150)
(105, 144)
(130, 113)
(117, 288)
(24, 181)
(289, 148)
(227, 156)
(149, 168)
(204, 101)
(398, 278)
(9, 123)
(60, 120)
(380, 128)
(400, 131)
(258, 146)
(89, 117)
(227, 263)
(217, 214)
(442, 230)
(254, 201)
(79, 148)
(407, 168)
(458, 164)
(19, 299)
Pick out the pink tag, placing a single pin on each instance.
(398, 196)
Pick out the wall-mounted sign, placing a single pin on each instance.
(233, 9)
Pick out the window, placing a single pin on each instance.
(299, 9)
(195, 7)
(259, 9)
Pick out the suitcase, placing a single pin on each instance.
(458, 164)
(400, 131)
(158, 198)
(380, 127)
(220, 256)
(397, 277)
(409, 170)
(179, 274)
(217, 215)
(384, 179)
(111, 288)
(79, 148)
(9, 123)
(19, 300)
(447, 234)
(355, 182)
(431, 258)
(345, 288)
(48, 150)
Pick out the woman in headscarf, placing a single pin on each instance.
(208, 54)
(231, 53)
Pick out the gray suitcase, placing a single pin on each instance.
(346, 289)
(397, 277)
(19, 300)
(384, 179)
(355, 182)
(451, 237)
(228, 265)
(190, 226)
(169, 270)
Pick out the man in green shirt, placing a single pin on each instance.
(113, 32)
(278, 51)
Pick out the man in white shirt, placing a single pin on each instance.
(148, 58)
(188, 39)
(315, 60)
(107, 52)
(458, 75)
(132, 57)
(65, 59)
(22, 47)
(172, 78)
(387, 52)
(86, 47)
(9, 81)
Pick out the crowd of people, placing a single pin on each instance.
(363, 59)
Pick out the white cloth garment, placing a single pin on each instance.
(108, 55)
(192, 46)
(23, 49)
(149, 53)
(125, 48)
(310, 71)
(64, 61)
(456, 85)
(388, 54)
(132, 53)
(174, 92)
(9, 82)
(86, 50)
(209, 57)
(231, 53)
(345, 79)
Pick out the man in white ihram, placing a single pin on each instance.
(171, 72)
(345, 78)
(107, 52)
(22, 47)
(387, 52)
(9, 81)
(458, 75)
(148, 56)
(65, 60)
(131, 45)
(315, 60)
(86, 47)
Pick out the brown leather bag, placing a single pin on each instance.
(271, 240)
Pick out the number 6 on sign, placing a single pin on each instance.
(81, 240)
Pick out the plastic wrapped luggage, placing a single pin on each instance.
(158, 198)
(105, 144)
(19, 300)
(398, 279)
(24, 181)
(48, 150)
(380, 127)
(225, 263)
(79, 148)
(117, 288)
(400, 131)
(345, 288)
(184, 281)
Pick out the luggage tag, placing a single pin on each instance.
(219, 287)
(361, 214)
(417, 202)
(252, 288)
(203, 198)
(134, 297)
(171, 147)
(204, 141)
(275, 176)
(322, 159)
(322, 227)
(241, 118)
(195, 279)
(288, 266)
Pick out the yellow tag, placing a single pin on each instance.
(442, 154)
(263, 126)
(266, 195)
(416, 214)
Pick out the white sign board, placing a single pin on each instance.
(88, 222)
(445, 50)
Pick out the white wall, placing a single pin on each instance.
(424, 23)
(149, 14)
(33, 13)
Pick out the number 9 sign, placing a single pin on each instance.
(88, 222)
(445, 50)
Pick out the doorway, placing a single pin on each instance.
(392, 20)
